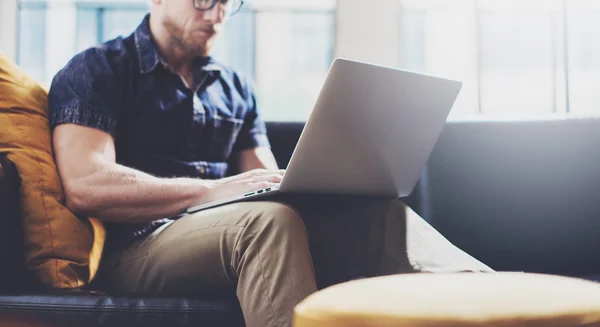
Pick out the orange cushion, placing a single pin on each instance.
(61, 250)
(453, 300)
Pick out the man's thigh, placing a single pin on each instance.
(192, 254)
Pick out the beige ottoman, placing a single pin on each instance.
(435, 300)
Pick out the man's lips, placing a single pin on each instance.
(207, 31)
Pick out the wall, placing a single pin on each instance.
(368, 31)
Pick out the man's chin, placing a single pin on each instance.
(196, 51)
(202, 51)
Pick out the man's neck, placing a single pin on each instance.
(172, 52)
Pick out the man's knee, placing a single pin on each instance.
(274, 233)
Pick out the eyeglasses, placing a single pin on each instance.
(230, 7)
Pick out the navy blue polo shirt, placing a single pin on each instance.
(160, 125)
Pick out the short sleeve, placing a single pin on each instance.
(254, 131)
(87, 92)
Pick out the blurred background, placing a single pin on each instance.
(517, 58)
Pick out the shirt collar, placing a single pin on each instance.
(149, 58)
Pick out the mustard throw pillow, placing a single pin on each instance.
(61, 250)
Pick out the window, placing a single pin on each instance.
(32, 39)
(284, 46)
(515, 57)
(53, 31)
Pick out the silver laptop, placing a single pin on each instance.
(370, 133)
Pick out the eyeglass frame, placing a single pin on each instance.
(214, 3)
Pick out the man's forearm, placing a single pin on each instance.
(120, 194)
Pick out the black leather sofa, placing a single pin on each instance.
(518, 195)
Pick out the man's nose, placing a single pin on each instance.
(214, 15)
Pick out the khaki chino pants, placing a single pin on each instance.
(264, 252)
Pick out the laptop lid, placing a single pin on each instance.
(371, 131)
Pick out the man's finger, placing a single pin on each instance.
(268, 178)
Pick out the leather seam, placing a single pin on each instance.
(30, 307)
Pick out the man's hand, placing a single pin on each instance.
(250, 181)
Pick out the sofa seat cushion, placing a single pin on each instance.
(79, 308)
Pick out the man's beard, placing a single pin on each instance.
(187, 46)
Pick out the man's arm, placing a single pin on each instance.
(252, 149)
(84, 105)
(256, 158)
(95, 185)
